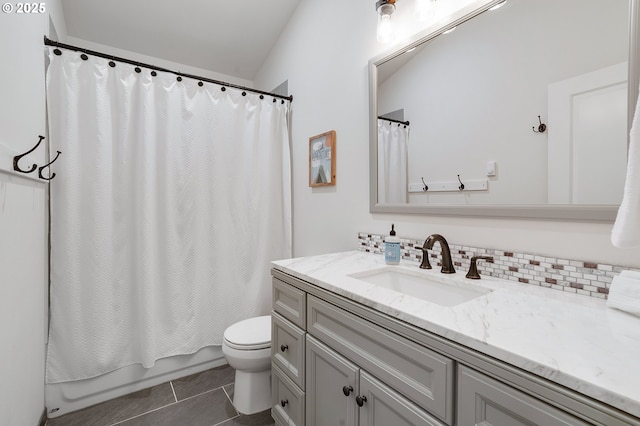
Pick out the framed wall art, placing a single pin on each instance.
(322, 159)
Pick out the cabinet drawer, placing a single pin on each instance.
(486, 401)
(287, 349)
(289, 302)
(287, 399)
(418, 373)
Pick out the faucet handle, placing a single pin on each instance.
(473, 268)
(425, 259)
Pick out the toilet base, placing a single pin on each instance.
(252, 391)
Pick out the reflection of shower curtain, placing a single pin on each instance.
(392, 162)
(169, 201)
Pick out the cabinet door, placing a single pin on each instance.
(488, 402)
(329, 377)
(382, 406)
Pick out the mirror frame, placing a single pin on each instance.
(592, 213)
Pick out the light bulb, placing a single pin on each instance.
(385, 32)
(385, 29)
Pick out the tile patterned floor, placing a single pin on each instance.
(202, 399)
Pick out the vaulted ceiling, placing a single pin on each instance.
(231, 37)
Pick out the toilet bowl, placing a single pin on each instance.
(247, 348)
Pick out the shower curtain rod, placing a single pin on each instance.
(406, 123)
(49, 42)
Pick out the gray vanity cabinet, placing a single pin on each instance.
(328, 350)
(340, 393)
(488, 402)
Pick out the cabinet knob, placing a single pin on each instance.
(346, 390)
(360, 400)
(284, 347)
(284, 402)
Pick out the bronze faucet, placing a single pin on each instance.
(473, 268)
(447, 264)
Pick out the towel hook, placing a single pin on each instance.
(425, 188)
(461, 187)
(541, 127)
(18, 157)
(47, 165)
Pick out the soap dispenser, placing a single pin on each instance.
(392, 248)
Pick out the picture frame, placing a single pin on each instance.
(322, 159)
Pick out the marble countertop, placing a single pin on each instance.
(572, 340)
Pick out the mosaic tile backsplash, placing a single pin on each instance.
(574, 276)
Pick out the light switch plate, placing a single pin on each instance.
(491, 168)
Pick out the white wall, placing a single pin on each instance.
(23, 220)
(22, 299)
(324, 52)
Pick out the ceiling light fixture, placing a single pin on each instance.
(385, 9)
(450, 30)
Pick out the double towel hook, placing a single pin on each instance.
(425, 188)
(17, 158)
(461, 187)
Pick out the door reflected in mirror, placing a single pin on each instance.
(473, 97)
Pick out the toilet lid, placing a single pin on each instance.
(252, 333)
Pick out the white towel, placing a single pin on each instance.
(624, 293)
(626, 229)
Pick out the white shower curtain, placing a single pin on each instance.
(169, 201)
(393, 140)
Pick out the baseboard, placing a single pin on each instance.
(43, 417)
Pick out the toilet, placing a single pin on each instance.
(247, 348)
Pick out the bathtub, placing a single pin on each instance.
(63, 398)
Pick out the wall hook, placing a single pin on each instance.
(541, 127)
(18, 157)
(52, 175)
(425, 188)
(461, 187)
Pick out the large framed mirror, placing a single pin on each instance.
(473, 144)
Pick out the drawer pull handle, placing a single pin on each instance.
(284, 347)
(346, 390)
(360, 400)
(284, 402)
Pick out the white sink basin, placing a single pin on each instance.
(441, 290)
